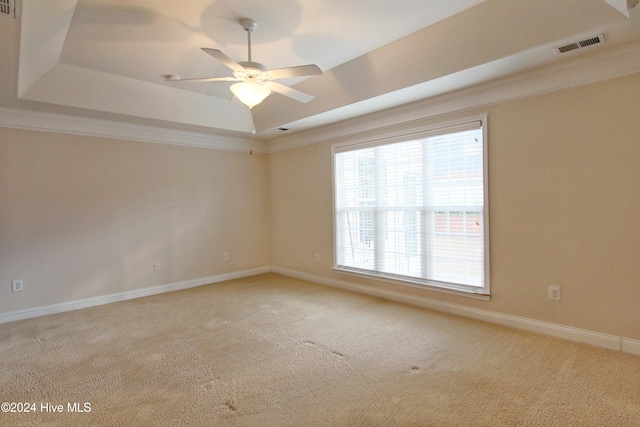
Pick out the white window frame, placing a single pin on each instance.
(390, 136)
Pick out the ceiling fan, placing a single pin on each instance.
(255, 81)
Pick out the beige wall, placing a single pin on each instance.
(564, 189)
(82, 217)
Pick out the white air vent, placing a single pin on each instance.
(280, 130)
(589, 41)
(8, 8)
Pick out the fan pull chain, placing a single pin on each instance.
(253, 125)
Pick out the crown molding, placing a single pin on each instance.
(59, 123)
(578, 71)
(618, 62)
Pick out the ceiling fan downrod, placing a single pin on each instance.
(249, 25)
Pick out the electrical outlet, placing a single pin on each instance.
(17, 285)
(226, 256)
(554, 293)
(156, 266)
(316, 258)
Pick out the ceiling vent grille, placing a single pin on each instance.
(589, 41)
(8, 8)
(280, 130)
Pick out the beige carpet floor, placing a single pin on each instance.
(276, 351)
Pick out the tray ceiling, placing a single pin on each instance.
(106, 59)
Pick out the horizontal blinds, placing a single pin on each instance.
(389, 139)
(414, 209)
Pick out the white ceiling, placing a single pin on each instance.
(106, 58)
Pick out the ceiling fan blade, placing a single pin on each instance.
(288, 91)
(202, 79)
(224, 59)
(299, 71)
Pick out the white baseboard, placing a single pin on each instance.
(631, 346)
(566, 332)
(127, 295)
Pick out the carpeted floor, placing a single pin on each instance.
(275, 351)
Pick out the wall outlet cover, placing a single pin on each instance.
(17, 285)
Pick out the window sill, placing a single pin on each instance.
(414, 284)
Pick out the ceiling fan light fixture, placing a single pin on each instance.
(250, 93)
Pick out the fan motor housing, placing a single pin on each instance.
(253, 70)
(250, 65)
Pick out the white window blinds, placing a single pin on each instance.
(414, 210)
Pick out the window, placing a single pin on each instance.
(414, 209)
(7, 8)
